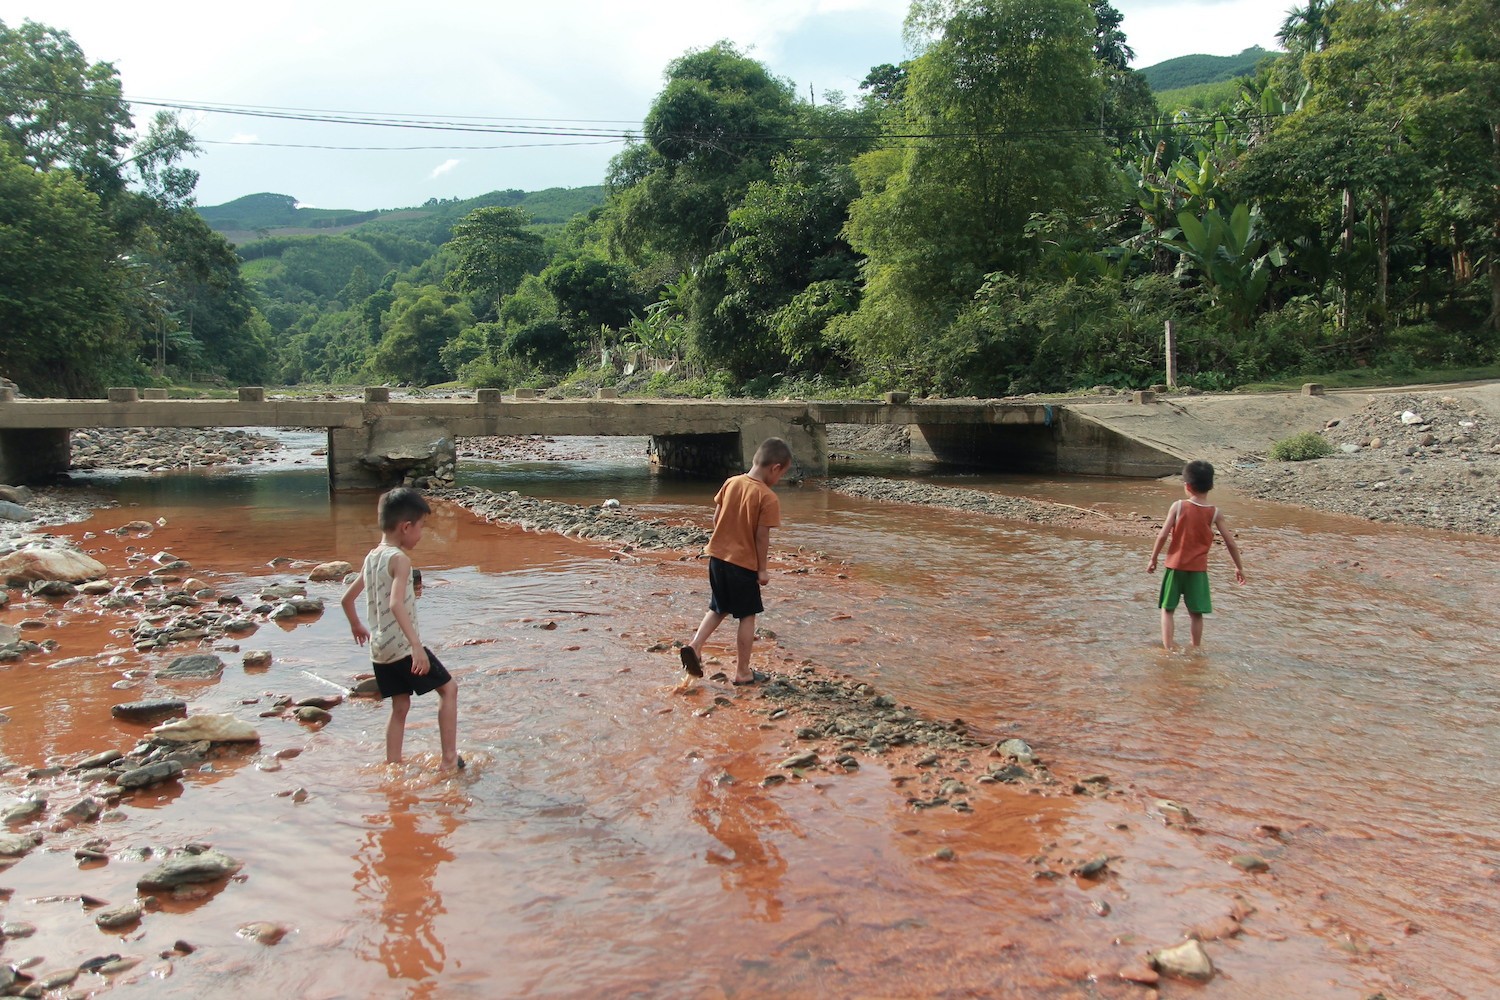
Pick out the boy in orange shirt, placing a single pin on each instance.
(745, 511)
(1191, 524)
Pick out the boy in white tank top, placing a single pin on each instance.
(403, 666)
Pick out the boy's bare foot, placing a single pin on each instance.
(456, 764)
(756, 677)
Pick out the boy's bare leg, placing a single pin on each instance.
(744, 639)
(1195, 627)
(711, 621)
(1166, 629)
(395, 727)
(448, 724)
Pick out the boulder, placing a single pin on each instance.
(25, 565)
(1185, 961)
(14, 512)
(335, 570)
(214, 728)
(188, 867)
(149, 711)
(15, 845)
(150, 774)
(16, 494)
(194, 666)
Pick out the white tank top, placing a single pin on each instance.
(387, 642)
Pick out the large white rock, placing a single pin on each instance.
(1185, 961)
(335, 570)
(26, 565)
(215, 728)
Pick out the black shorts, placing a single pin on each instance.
(397, 678)
(736, 590)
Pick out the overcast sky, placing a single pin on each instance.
(555, 65)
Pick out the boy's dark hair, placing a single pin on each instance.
(773, 451)
(1199, 475)
(401, 504)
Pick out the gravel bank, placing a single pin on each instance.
(606, 522)
(981, 502)
(1429, 459)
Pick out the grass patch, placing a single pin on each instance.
(1301, 448)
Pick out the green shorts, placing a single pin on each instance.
(1189, 586)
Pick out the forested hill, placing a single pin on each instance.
(1189, 71)
(257, 216)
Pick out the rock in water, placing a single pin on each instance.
(195, 666)
(26, 565)
(119, 916)
(150, 774)
(335, 570)
(214, 728)
(149, 711)
(1185, 961)
(15, 845)
(14, 512)
(188, 867)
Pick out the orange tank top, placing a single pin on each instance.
(1192, 537)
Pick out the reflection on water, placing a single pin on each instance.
(613, 837)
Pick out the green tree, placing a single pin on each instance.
(417, 327)
(997, 125)
(58, 110)
(492, 250)
(710, 133)
(73, 337)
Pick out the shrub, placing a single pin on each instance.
(1301, 447)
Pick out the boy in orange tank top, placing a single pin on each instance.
(745, 511)
(1190, 525)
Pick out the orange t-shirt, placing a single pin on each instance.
(745, 504)
(1192, 537)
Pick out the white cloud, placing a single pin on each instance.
(443, 168)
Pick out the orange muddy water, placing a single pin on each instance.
(611, 836)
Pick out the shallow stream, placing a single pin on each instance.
(611, 836)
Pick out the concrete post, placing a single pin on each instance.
(486, 396)
(252, 394)
(154, 394)
(522, 393)
(377, 394)
(606, 392)
(1171, 356)
(7, 394)
(123, 394)
(1313, 389)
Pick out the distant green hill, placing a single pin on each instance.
(257, 216)
(1189, 71)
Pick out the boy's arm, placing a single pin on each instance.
(351, 595)
(1230, 545)
(763, 555)
(400, 579)
(1162, 536)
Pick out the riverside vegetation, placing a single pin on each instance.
(1337, 209)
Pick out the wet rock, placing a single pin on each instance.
(807, 759)
(256, 658)
(1249, 863)
(55, 979)
(102, 759)
(118, 964)
(312, 714)
(322, 700)
(194, 666)
(51, 588)
(11, 929)
(283, 591)
(1185, 961)
(18, 845)
(14, 512)
(149, 711)
(335, 570)
(211, 727)
(30, 564)
(150, 774)
(85, 810)
(283, 611)
(25, 810)
(16, 494)
(263, 931)
(188, 867)
(122, 915)
(1020, 750)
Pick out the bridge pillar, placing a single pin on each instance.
(29, 456)
(386, 452)
(731, 452)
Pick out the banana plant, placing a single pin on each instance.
(1233, 259)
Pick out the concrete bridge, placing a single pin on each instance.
(376, 442)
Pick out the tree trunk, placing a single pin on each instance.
(1347, 242)
(1384, 263)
